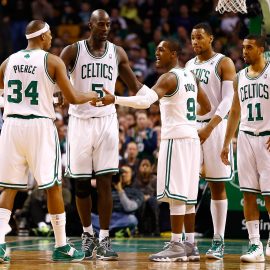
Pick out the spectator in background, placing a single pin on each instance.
(126, 201)
(148, 215)
(84, 13)
(34, 214)
(145, 137)
(130, 158)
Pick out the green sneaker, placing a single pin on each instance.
(89, 244)
(104, 250)
(216, 251)
(3, 254)
(67, 254)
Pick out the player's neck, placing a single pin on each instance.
(206, 55)
(258, 66)
(95, 45)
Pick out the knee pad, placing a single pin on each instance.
(177, 208)
(190, 209)
(82, 187)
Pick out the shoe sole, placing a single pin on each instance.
(112, 258)
(193, 258)
(167, 259)
(251, 260)
(213, 257)
(2, 261)
(68, 260)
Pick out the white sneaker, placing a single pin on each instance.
(267, 249)
(254, 253)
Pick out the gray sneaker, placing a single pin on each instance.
(192, 251)
(172, 252)
(105, 251)
(89, 244)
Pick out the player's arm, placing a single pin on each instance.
(68, 55)
(227, 73)
(125, 71)
(166, 84)
(205, 105)
(57, 72)
(233, 121)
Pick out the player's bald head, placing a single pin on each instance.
(34, 26)
(98, 14)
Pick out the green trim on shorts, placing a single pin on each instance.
(171, 196)
(251, 190)
(57, 156)
(51, 184)
(192, 202)
(168, 163)
(107, 171)
(13, 186)
(68, 172)
(30, 116)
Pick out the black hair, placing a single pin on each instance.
(205, 26)
(173, 45)
(260, 40)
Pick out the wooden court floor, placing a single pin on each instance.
(33, 253)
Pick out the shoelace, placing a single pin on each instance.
(87, 242)
(167, 245)
(106, 244)
(216, 245)
(252, 248)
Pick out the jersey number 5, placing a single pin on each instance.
(98, 88)
(30, 92)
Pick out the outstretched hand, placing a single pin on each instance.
(107, 99)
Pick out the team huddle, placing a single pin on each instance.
(201, 106)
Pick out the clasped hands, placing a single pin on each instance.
(105, 100)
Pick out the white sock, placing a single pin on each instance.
(219, 214)
(190, 237)
(253, 228)
(176, 237)
(89, 229)
(103, 234)
(4, 226)
(59, 227)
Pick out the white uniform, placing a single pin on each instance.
(29, 138)
(179, 155)
(93, 131)
(207, 73)
(253, 158)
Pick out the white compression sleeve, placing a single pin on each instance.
(138, 102)
(227, 97)
(142, 91)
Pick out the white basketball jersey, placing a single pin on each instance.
(28, 87)
(92, 73)
(254, 100)
(178, 110)
(207, 73)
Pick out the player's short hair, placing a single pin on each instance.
(260, 40)
(206, 27)
(173, 45)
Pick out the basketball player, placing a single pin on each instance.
(179, 155)
(251, 103)
(216, 73)
(29, 139)
(93, 137)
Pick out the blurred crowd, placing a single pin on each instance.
(138, 26)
